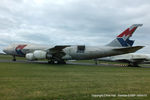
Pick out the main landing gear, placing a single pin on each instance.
(134, 64)
(56, 62)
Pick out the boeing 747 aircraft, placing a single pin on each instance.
(60, 53)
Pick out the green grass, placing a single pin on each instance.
(28, 81)
(20, 81)
(9, 57)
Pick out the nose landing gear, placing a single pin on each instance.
(14, 58)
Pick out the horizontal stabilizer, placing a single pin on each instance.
(128, 49)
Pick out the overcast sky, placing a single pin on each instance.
(89, 22)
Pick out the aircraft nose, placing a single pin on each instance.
(8, 50)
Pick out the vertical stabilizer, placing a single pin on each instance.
(123, 39)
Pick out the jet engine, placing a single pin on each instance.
(29, 56)
(37, 54)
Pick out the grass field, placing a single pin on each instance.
(8, 57)
(28, 81)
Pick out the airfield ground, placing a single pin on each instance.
(34, 81)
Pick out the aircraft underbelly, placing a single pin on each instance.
(92, 54)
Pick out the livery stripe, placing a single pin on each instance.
(122, 42)
(130, 42)
(125, 43)
(127, 32)
(19, 50)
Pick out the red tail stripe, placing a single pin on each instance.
(20, 46)
(127, 32)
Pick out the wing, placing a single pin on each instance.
(139, 60)
(131, 60)
(57, 51)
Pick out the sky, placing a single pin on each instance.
(84, 22)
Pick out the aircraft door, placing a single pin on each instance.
(81, 49)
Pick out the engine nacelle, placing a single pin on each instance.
(39, 54)
(30, 56)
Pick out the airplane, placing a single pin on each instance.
(133, 59)
(60, 53)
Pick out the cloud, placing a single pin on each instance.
(90, 22)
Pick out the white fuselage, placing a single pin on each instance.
(71, 53)
(132, 57)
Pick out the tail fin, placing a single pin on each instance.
(122, 40)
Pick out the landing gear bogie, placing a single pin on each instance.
(56, 62)
(133, 64)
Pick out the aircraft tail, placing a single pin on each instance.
(123, 40)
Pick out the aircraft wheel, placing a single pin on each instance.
(14, 58)
(133, 65)
(51, 62)
(61, 62)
